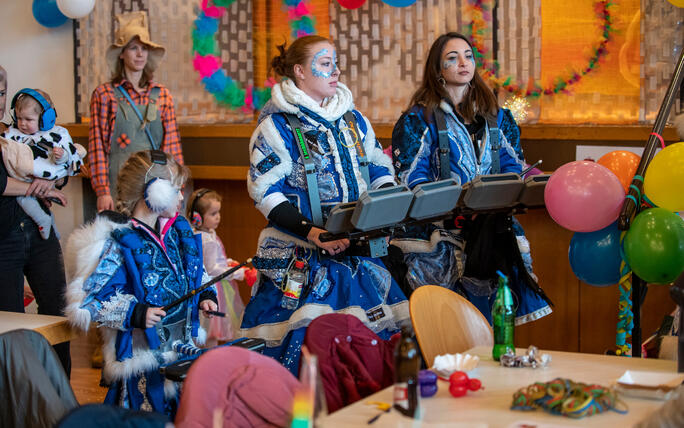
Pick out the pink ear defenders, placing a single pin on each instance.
(196, 219)
(47, 117)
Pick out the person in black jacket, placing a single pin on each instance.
(23, 253)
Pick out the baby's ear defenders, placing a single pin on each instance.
(160, 193)
(197, 219)
(47, 117)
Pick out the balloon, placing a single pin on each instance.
(351, 4)
(623, 164)
(399, 3)
(76, 9)
(595, 256)
(583, 196)
(47, 13)
(654, 246)
(678, 3)
(664, 178)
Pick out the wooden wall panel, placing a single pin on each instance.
(549, 243)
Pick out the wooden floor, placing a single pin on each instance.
(85, 380)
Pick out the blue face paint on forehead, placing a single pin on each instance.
(323, 71)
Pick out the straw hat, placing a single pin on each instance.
(129, 25)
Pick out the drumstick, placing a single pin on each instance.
(205, 285)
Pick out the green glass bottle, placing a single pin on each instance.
(503, 318)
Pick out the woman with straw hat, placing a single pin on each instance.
(131, 112)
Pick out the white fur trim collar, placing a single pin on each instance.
(287, 97)
(81, 257)
(446, 106)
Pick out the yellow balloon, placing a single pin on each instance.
(664, 179)
(678, 3)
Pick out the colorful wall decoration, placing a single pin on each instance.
(597, 61)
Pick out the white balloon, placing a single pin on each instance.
(75, 9)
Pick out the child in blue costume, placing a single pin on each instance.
(435, 254)
(338, 280)
(124, 266)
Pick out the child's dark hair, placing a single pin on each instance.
(199, 201)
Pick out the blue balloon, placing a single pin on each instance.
(399, 3)
(595, 256)
(48, 14)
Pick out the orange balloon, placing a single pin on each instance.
(623, 164)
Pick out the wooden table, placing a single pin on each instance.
(491, 407)
(55, 329)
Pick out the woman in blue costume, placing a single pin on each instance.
(435, 254)
(124, 267)
(338, 280)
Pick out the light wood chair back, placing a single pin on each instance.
(446, 323)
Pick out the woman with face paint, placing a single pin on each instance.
(306, 156)
(463, 255)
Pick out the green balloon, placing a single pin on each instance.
(654, 246)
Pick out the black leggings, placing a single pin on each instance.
(24, 253)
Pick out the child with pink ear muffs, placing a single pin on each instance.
(204, 212)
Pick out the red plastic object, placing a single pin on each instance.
(457, 391)
(459, 379)
(474, 384)
(250, 276)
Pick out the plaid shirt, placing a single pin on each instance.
(103, 106)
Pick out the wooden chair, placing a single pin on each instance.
(446, 323)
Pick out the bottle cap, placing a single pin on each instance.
(299, 264)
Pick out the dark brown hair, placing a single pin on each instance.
(478, 99)
(297, 53)
(200, 201)
(120, 72)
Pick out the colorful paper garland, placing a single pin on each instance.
(207, 62)
(480, 10)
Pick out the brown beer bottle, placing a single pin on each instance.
(406, 367)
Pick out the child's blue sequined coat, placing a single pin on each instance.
(112, 267)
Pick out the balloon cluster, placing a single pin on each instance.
(53, 13)
(460, 383)
(586, 197)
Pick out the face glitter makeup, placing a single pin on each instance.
(327, 68)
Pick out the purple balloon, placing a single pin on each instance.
(583, 196)
(428, 390)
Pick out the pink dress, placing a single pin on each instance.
(229, 301)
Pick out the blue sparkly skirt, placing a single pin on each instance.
(360, 286)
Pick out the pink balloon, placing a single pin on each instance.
(584, 196)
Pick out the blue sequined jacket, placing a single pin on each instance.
(415, 147)
(276, 173)
(114, 266)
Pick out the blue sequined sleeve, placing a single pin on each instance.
(108, 299)
(406, 139)
(511, 130)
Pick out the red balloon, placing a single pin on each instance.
(351, 4)
(457, 391)
(458, 379)
(474, 384)
(623, 164)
